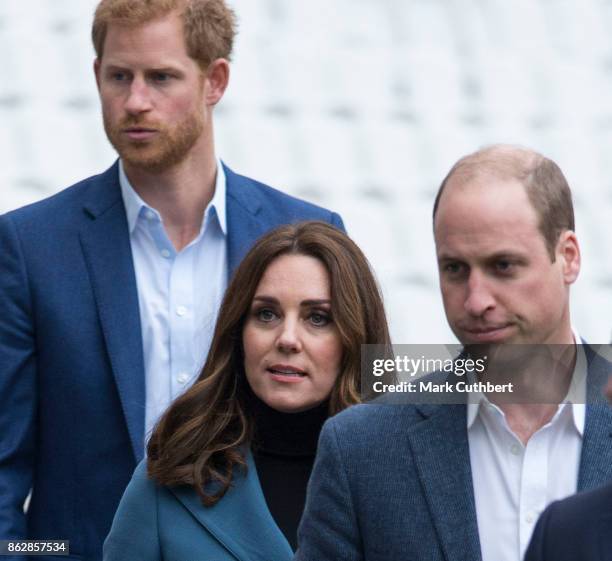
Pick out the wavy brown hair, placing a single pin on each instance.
(200, 440)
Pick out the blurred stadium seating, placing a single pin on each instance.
(358, 105)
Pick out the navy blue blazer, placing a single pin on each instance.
(156, 523)
(578, 528)
(395, 482)
(71, 360)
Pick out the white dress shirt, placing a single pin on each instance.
(179, 294)
(513, 483)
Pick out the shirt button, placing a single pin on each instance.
(150, 215)
(530, 518)
(165, 253)
(515, 449)
(182, 378)
(181, 311)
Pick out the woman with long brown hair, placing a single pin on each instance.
(229, 461)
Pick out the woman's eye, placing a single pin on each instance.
(265, 315)
(319, 319)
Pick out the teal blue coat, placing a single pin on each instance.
(155, 523)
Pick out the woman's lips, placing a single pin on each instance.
(286, 373)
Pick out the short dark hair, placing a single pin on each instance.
(544, 182)
(209, 25)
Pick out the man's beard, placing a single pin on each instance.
(168, 147)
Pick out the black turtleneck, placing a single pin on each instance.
(284, 448)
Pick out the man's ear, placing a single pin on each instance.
(96, 69)
(217, 78)
(568, 251)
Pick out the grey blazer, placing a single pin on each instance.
(393, 482)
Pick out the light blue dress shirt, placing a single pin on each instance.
(179, 294)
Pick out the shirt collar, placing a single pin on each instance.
(131, 199)
(218, 202)
(577, 392)
(134, 204)
(575, 398)
(473, 407)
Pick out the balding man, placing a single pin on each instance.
(466, 481)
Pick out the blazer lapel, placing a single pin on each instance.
(596, 458)
(441, 453)
(242, 225)
(241, 520)
(106, 246)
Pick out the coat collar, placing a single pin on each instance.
(241, 520)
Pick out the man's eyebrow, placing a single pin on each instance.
(447, 257)
(113, 67)
(505, 254)
(164, 69)
(497, 255)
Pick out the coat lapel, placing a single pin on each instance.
(440, 450)
(241, 520)
(242, 225)
(106, 246)
(596, 458)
